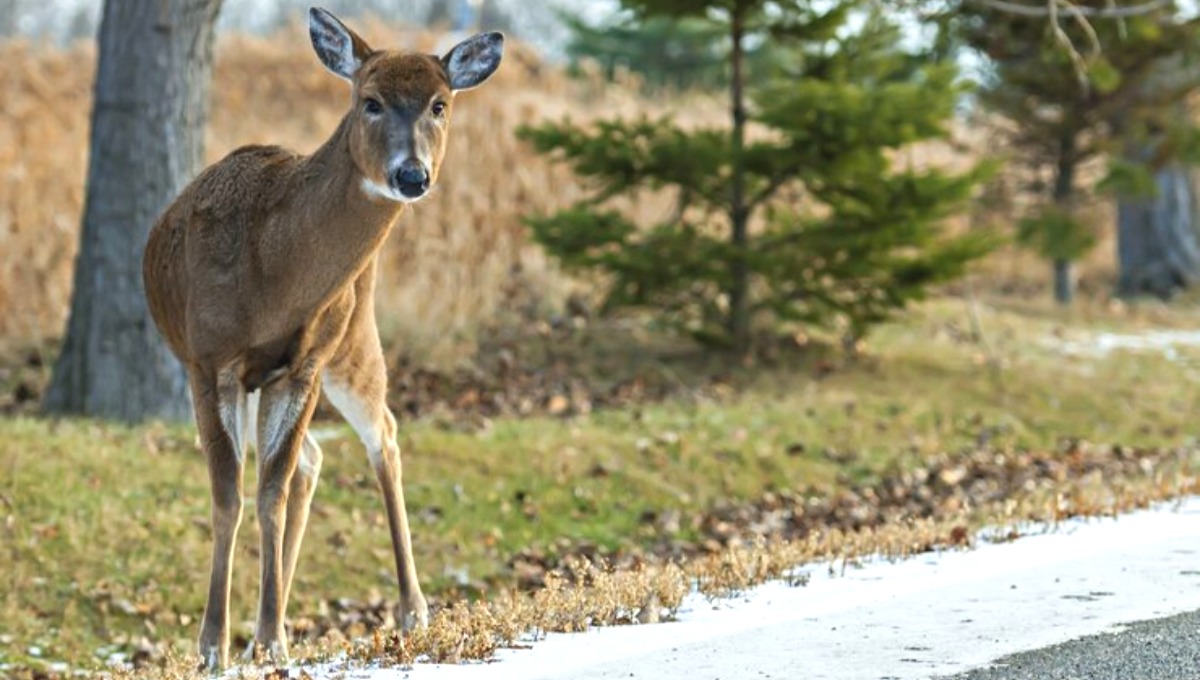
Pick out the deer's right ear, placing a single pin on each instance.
(340, 49)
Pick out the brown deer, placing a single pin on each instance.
(261, 277)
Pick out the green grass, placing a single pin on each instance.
(104, 529)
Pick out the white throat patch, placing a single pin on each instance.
(377, 190)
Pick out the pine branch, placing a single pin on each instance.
(777, 180)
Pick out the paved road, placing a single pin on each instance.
(933, 616)
(1161, 649)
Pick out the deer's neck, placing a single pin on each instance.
(344, 226)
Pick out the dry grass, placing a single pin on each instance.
(588, 595)
(462, 260)
(44, 102)
(274, 91)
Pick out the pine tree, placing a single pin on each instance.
(799, 210)
(1076, 88)
(667, 52)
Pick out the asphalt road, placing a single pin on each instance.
(1160, 649)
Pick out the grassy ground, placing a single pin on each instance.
(104, 529)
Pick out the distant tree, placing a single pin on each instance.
(1158, 235)
(665, 51)
(1105, 82)
(82, 25)
(674, 52)
(148, 117)
(800, 208)
(459, 15)
(493, 17)
(10, 15)
(1158, 215)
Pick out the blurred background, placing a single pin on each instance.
(1076, 139)
(683, 256)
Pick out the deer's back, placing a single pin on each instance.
(215, 226)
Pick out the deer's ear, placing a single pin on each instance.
(473, 60)
(339, 48)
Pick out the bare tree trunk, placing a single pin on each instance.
(150, 107)
(1064, 196)
(1158, 245)
(10, 15)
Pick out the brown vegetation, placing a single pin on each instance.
(938, 507)
(274, 91)
(459, 261)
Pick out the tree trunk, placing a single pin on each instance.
(10, 15)
(150, 107)
(1158, 247)
(1064, 289)
(739, 214)
(1064, 197)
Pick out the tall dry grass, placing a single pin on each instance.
(460, 258)
(44, 104)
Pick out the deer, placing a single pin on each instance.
(260, 276)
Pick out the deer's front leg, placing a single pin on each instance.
(220, 418)
(285, 408)
(361, 398)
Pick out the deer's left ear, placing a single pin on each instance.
(339, 48)
(473, 60)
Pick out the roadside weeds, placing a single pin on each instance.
(585, 592)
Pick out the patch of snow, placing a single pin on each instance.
(1101, 345)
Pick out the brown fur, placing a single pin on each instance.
(261, 277)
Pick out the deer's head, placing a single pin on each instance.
(401, 101)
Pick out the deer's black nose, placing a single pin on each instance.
(411, 178)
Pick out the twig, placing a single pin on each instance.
(1122, 27)
(976, 325)
(1084, 24)
(1110, 12)
(1064, 40)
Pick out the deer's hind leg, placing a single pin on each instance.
(285, 408)
(300, 495)
(220, 404)
(355, 383)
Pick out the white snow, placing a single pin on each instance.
(1100, 345)
(932, 615)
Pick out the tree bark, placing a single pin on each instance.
(1064, 196)
(739, 214)
(10, 15)
(1158, 245)
(147, 141)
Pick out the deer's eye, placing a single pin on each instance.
(372, 106)
(438, 108)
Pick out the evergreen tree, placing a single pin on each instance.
(667, 52)
(1078, 87)
(811, 217)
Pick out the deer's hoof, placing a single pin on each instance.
(212, 661)
(414, 614)
(214, 654)
(266, 652)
